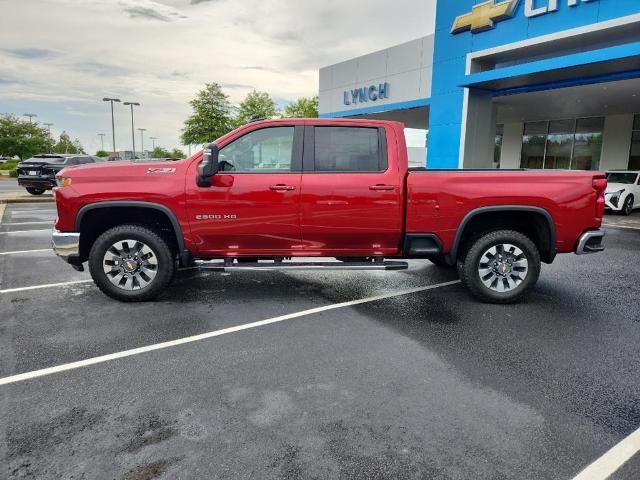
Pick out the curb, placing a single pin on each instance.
(5, 201)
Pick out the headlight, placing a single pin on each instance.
(63, 181)
(614, 197)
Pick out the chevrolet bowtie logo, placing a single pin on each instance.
(484, 15)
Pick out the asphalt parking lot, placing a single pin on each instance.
(426, 384)
(9, 185)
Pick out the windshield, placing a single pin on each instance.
(46, 160)
(626, 178)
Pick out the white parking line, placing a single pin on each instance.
(625, 227)
(48, 285)
(27, 223)
(216, 333)
(611, 461)
(34, 210)
(25, 231)
(22, 252)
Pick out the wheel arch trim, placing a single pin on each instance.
(505, 208)
(177, 229)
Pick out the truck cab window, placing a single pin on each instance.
(261, 151)
(348, 149)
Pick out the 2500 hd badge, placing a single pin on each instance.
(217, 217)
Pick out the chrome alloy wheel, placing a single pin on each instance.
(503, 267)
(130, 264)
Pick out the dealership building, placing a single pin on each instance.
(507, 84)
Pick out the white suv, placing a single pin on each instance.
(623, 192)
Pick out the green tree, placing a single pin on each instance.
(177, 153)
(211, 117)
(303, 108)
(65, 145)
(102, 153)
(256, 105)
(22, 138)
(160, 152)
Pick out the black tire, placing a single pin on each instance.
(471, 266)
(627, 207)
(35, 191)
(460, 269)
(166, 265)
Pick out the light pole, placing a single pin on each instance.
(102, 135)
(133, 131)
(113, 123)
(30, 115)
(49, 125)
(142, 130)
(153, 142)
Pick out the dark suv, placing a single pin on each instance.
(39, 172)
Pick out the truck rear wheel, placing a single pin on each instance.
(501, 266)
(131, 263)
(35, 191)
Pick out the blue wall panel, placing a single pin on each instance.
(451, 52)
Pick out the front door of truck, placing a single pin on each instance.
(352, 193)
(252, 207)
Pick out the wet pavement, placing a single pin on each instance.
(424, 385)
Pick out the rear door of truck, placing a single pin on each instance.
(352, 193)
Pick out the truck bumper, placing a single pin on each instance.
(67, 246)
(591, 242)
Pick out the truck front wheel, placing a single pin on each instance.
(501, 266)
(131, 263)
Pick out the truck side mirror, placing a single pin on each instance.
(209, 165)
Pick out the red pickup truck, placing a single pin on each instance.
(275, 191)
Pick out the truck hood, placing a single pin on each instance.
(122, 167)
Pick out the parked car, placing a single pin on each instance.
(38, 174)
(5, 159)
(623, 192)
(275, 190)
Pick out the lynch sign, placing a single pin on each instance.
(372, 93)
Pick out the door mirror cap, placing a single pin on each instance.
(209, 165)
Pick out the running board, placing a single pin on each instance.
(270, 266)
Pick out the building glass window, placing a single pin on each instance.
(634, 157)
(497, 152)
(533, 144)
(559, 144)
(563, 144)
(587, 151)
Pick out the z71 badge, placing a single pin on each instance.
(161, 171)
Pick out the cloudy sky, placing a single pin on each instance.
(58, 58)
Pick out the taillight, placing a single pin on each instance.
(600, 186)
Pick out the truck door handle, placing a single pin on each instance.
(382, 188)
(282, 188)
